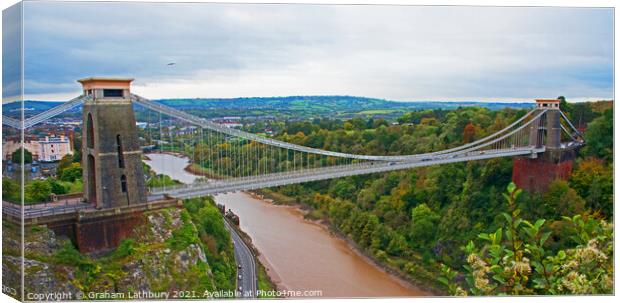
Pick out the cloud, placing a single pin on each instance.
(392, 52)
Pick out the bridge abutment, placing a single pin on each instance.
(535, 175)
(93, 230)
(105, 232)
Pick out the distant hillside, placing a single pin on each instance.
(287, 107)
(327, 103)
(34, 106)
(312, 106)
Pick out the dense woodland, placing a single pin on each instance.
(421, 220)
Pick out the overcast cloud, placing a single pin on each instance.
(391, 52)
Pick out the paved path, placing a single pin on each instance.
(243, 257)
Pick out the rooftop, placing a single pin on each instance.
(105, 82)
(548, 100)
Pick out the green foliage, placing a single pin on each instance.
(10, 190)
(126, 248)
(77, 153)
(263, 281)
(561, 200)
(183, 236)
(215, 238)
(593, 180)
(599, 136)
(16, 156)
(89, 270)
(57, 187)
(515, 260)
(413, 219)
(72, 173)
(343, 188)
(423, 226)
(160, 181)
(68, 255)
(64, 163)
(37, 191)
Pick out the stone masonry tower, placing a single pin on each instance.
(111, 154)
(535, 174)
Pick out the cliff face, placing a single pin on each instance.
(164, 254)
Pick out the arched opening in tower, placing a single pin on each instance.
(90, 132)
(92, 180)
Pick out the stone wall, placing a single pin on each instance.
(535, 175)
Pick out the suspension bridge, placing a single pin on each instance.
(236, 160)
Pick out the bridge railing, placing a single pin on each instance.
(231, 185)
(17, 211)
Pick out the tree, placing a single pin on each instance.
(561, 200)
(593, 180)
(423, 226)
(56, 187)
(77, 155)
(16, 156)
(564, 106)
(64, 163)
(513, 260)
(10, 190)
(37, 191)
(398, 245)
(582, 113)
(343, 188)
(600, 136)
(72, 173)
(469, 132)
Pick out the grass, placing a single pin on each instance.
(264, 283)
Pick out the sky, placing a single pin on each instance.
(402, 53)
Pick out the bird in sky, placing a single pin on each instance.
(171, 63)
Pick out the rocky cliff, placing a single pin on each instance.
(164, 255)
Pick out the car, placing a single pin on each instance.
(239, 266)
(239, 277)
(391, 163)
(240, 288)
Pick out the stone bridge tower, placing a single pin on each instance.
(535, 174)
(111, 154)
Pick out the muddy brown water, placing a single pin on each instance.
(300, 255)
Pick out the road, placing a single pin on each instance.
(243, 257)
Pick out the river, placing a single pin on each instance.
(299, 254)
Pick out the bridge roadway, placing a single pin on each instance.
(277, 179)
(307, 175)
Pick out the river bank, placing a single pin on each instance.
(265, 281)
(195, 169)
(407, 280)
(298, 254)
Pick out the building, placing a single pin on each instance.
(54, 148)
(10, 145)
(50, 149)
